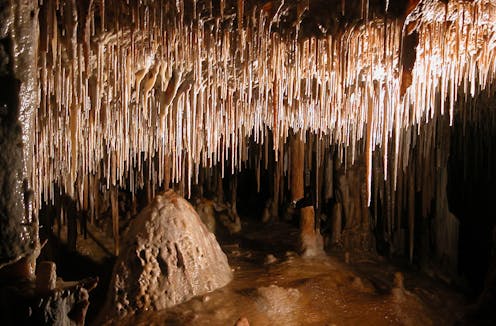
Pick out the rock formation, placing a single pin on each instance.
(26, 297)
(351, 216)
(205, 209)
(280, 304)
(310, 242)
(18, 100)
(43, 299)
(168, 256)
(215, 213)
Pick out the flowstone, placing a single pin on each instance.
(168, 257)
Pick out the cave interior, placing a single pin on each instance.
(340, 152)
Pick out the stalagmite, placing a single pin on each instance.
(115, 218)
(297, 168)
(274, 209)
(411, 216)
(309, 240)
(446, 224)
(234, 194)
(336, 224)
(168, 257)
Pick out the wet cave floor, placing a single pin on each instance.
(319, 291)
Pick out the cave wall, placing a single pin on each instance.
(18, 101)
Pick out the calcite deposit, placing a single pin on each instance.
(168, 256)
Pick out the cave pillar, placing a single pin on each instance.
(350, 220)
(309, 244)
(114, 200)
(234, 193)
(297, 168)
(274, 209)
(220, 186)
(445, 223)
(18, 100)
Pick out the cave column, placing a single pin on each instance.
(308, 238)
(114, 200)
(445, 223)
(234, 193)
(274, 209)
(220, 185)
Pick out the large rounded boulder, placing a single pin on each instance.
(168, 256)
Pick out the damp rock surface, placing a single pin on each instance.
(168, 257)
(310, 291)
(18, 99)
(276, 301)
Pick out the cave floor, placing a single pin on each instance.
(317, 291)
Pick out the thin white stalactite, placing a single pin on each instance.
(198, 91)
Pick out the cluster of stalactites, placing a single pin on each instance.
(144, 86)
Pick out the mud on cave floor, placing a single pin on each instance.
(318, 291)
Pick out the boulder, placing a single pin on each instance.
(168, 256)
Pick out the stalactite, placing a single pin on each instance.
(153, 91)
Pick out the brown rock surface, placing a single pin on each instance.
(168, 256)
(205, 209)
(18, 100)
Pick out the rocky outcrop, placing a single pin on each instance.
(18, 99)
(168, 256)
